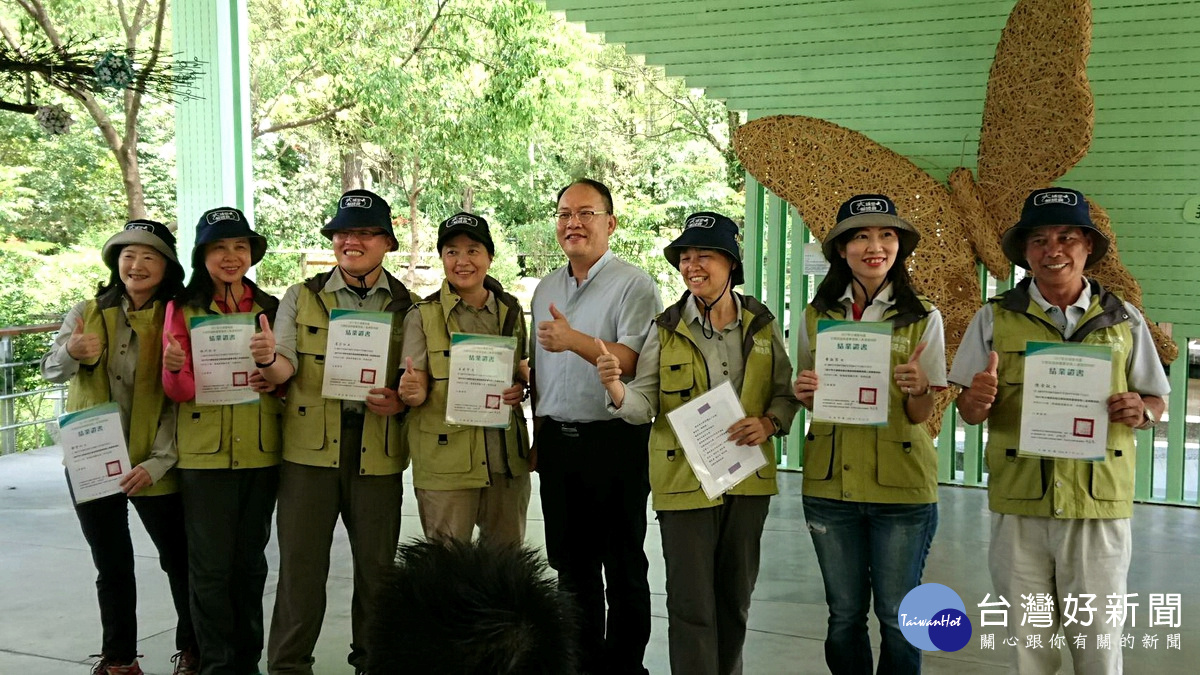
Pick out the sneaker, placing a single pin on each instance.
(106, 666)
(186, 663)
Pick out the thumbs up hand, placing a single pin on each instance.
(976, 402)
(414, 384)
(83, 346)
(909, 376)
(174, 358)
(262, 345)
(556, 335)
(608, 366)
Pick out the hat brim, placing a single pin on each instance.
(1012, 242)
(909, 236)
(108, 253)
(674, 250)
(473, 233)
(258, 248)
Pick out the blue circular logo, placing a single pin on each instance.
(933, 618)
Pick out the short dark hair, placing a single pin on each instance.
(455, 607)
(596, 185)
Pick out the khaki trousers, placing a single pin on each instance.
(1061, 557)
(498, 509)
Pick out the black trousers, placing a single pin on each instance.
(228, 522)
(594, 485)
(105, 525)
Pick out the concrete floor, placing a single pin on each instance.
(49, 622)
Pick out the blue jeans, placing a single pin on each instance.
(865, 549)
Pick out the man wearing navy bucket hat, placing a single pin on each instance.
(1060, 527)
(711, 336)
(340, 458)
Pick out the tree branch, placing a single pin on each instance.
(18, 107)
(328, 114)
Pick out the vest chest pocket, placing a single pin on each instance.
(677, 379)
(439, 364)
(199, 432)
(818, 452)
(442, 448)
(905, 458)
(311, 340)
(304, 426)
(1011, 351)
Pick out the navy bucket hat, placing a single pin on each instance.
(471, 225)
(226, 222)
(712, 231)
(359, 209)
(1053, 206)
(870, 211)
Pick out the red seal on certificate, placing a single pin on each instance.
(113, 468)
(241, 379)
(1084, 427)
(492, 402)
(367, 376)
(867, 395)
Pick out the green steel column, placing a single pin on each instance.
(752, 237)
(777, 251)
(798, 296)
(212, 134)
(1177, 427)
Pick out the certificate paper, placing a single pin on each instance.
(853, 372)
(1064, 403)
(357, 353)
(94, 451)
(702, 427)
(221, 359)
(481, 368)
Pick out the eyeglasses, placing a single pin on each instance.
(584, 217)
(361, 235)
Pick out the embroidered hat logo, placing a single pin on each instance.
(1054, 198)
(463, 220)
(144, 227)
(867, 206)
(218, 216)
(699, 221)
(357, 202)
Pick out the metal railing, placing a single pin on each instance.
(11, 392)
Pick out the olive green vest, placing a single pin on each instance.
(892, 464)
(1056, 488)
(682, 376)
(312, 424)
(90, 387)
(245, 436)
(452, 457)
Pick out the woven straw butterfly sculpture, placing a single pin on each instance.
(1037, 124)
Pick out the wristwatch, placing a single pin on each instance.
(775, 422)
(1149, 420)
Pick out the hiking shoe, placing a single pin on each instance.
(106, 666)
(186, 663)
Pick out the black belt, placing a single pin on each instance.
(574, 429)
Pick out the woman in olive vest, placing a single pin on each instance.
(711, 336)
(110, 349)
(870, 493)
(228, 454)
(465, 475)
